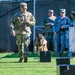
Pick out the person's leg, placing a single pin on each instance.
(47, 38)
(67, 39)
(62, 42)
(56, 43)
(19, 43)
(52, 43)
(26, 47)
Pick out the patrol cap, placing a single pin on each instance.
(23, 5)
(51, 11)
(62, 10)
(73, 12)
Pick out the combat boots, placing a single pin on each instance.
(61, 53)
(21, 59)
(21, 56)
(25, 57)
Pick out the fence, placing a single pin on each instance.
(7, 10)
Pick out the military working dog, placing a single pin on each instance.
(41, 43)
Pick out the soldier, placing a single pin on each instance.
(20, 27)
(72, 18)
(61, 30)
(48, 23)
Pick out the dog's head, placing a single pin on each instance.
(40, 39)
(40, 36)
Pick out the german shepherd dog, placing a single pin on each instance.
(41, 43)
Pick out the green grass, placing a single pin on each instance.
(9, 65)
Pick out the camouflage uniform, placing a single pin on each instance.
(72, 18)
(61, 38)
(22, 31)
(49, 30)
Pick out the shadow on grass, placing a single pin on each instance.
(11, 55)
(10, 62)
(53, 54)
(30, 55)
(16, 55)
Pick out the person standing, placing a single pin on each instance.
(48, 23)
(72, 18)
(20, 27)
(61, 32)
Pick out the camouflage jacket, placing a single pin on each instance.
(17, 22)
(47, 20)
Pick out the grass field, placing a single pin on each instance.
(9, 65)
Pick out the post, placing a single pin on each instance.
(34, 8)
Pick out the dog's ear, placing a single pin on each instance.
(37, 34)
(43, 34)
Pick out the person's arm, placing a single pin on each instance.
(12, 26)
(54, 26)
(68, 24)
(31, 21)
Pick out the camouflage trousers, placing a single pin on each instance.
(49, 38)
(61, 41)
(23, 42)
